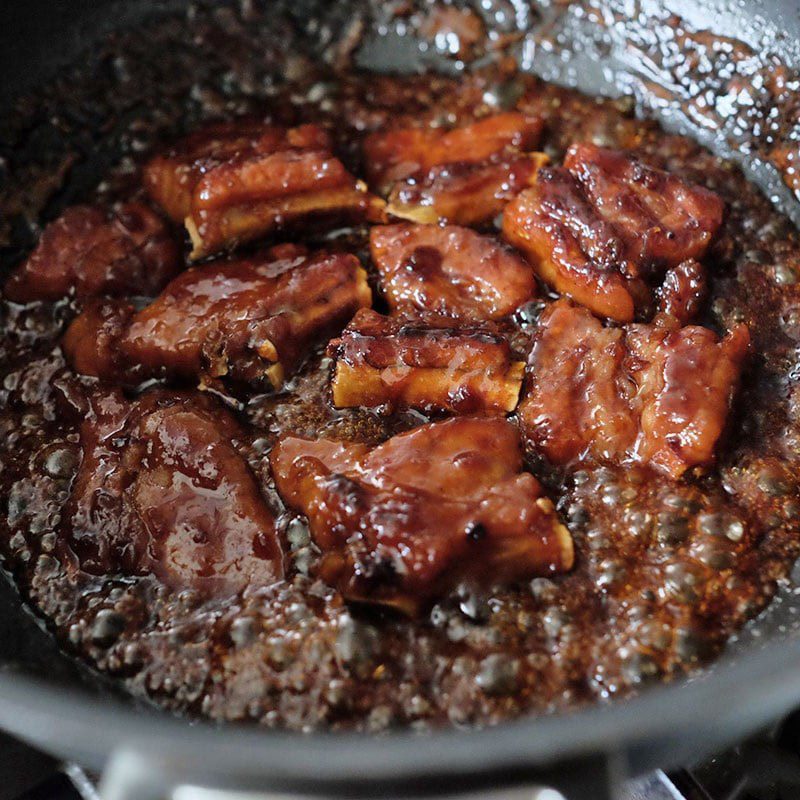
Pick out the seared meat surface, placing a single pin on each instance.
(393, 364)
(463, 176)
(233, 183)
(449, 271)
(389, 539)
(684, 291)
(89, 251)
(401, 522)
(657, 393)
(605, 227)
(162, 489)
(250, 320)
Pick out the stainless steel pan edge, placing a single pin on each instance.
(664, 726)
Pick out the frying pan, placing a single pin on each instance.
(55, 704)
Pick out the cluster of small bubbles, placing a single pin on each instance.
(638, 667)
(597, 538)
(690, 646)
(355, 646)
(609, 571)
(554, 622)
(671, 528)
(610, 495)
(720, 524)
(473, 604)
(654, 635)
(243, 630)
(790, 322)
(784, 274)
(681, 583)
(498, 674)
(297, 533)
(544, 590)
(791, 510)
(713, 553)
(758, 256)
(773, 482)
(637, 521)
(107, 627)
(577, 515)
(457, 630)
(527, 315)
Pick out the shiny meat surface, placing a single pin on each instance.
(162, 489)
(605, 227)
(237, 182)
(250, 320)
(684, 291)
(661, 219)
(395, 155)
(392, 364)
(89, 251)
(401, 522)
(658, 394)
(464, 194)
(463, 176)
(449, 271)
(666, 570)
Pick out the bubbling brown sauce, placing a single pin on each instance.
(666, 571)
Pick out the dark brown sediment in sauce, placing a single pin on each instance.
(666, 571)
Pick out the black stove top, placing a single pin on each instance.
(765, 767)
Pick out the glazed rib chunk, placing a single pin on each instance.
(91, 251)
(163, 490)
(240, 181)
(463, 176)
(398, 154)
(382, 362)
(605, 228)
(661, 219)
(407, 520)
(449, 271)
(251, 320)
(683, 291)
(657, 394)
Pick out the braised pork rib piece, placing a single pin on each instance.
(402, 522)
(658, 394)
(239, 181)
(463, 176)
(389, 363)
(449, 271)
(163, 490)
(250, 320)
(683, 292)
(605, 228)
(91, 251)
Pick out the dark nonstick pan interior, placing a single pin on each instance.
(48, 699)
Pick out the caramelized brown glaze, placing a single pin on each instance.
(89, 251)
(666, 569)
(657, 393)
(395, 155)
(449, 271)
(393, 364)
(233, 183)
(605, 227)
(463, 176)
(684, 291)
(252, 320)
(162, 489)
(404, 521)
